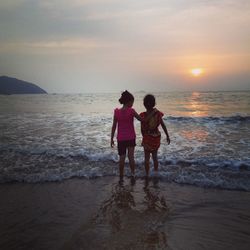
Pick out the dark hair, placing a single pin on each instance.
(126, 97)
(149, 101)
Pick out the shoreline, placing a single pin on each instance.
(102, 213)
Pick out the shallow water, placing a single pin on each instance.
(56, 137)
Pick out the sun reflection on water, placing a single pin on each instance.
(196, 107)
(198, 135)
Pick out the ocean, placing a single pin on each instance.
(60, 186)
(45, 138)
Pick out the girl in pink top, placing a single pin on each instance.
(124, 117)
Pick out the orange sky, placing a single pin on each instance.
(111, 45)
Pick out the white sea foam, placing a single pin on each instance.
(70, 137)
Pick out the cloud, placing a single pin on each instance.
(143, 37)
(69, 47)
(6, 5)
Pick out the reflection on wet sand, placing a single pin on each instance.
(135, 221)
(133, 217)
(111, 210)
(155, 237)
(153, 198)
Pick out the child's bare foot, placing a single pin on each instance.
(121, 180)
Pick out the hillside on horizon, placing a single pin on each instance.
(9, 86)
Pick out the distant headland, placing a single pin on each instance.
(9, 86)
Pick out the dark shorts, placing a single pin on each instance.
(123, 145)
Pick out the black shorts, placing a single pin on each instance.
(123, 145)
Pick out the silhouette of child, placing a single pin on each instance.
(151, 136)
(124, 117)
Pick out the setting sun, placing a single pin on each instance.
(197, 71)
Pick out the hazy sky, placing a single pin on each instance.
(110, 45)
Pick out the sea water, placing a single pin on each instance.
(59, 136)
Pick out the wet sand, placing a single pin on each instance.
(103, 213)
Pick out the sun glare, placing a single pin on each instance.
(196, 72)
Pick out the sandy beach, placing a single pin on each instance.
(103, 213)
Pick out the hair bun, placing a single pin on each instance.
(126, 97)
(125, 92)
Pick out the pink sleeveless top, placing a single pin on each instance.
(125, 119)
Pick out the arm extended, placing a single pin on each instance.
(113, 132)
(165, 130)
(139, 118)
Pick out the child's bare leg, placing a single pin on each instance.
(131, 159)
(155, 160)
(121, 164)
(146, 161)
